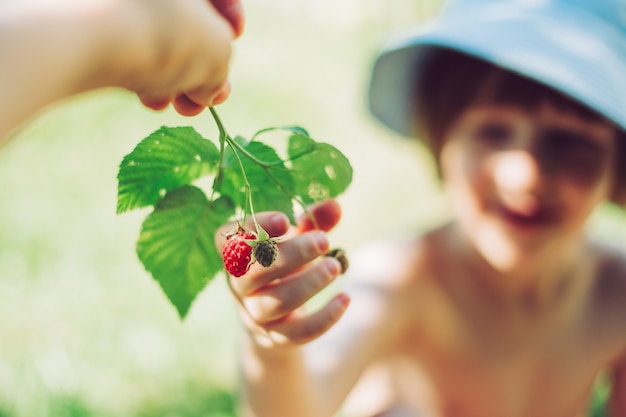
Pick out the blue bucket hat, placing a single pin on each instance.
(577, 47)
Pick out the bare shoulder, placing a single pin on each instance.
(611, 270)
(399, 271)
(609, 290)
(385, 282)
(610, 308)
(397, 262)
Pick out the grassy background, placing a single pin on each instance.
(84, 330)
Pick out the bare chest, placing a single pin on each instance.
(510, 383)
(483, 371)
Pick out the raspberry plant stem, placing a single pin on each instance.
(225, 139)
(222, 141)
(248, 190)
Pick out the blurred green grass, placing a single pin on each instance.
(84, 330)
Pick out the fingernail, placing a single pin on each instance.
(333, 267)
(343, 299)
(321, 241)
(278, 221)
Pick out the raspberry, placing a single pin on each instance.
(265, 252)
(237, 253)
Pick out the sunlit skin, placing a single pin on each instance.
(168, 52)
(523, 185)
(508, 311)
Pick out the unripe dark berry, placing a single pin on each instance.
(265, 252)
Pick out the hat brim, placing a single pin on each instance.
(549, 46)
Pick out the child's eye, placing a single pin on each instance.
(563, 142)
(494, 133)
(576, 154)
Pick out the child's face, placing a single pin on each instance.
(523, 181)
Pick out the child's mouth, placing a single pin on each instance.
(540, 218)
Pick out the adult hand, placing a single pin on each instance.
(232, 10)
(215, 89)
(166, 51)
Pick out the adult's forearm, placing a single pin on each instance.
(47, 54)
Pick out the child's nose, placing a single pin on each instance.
(518, 171)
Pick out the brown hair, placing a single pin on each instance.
(451, 81)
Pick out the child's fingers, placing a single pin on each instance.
(275, 301)
(300, 329)
(292, 255)
(326, 214)
(274, 223)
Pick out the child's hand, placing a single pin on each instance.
(271, 298)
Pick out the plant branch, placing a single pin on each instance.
(236, 147)
(222, 141)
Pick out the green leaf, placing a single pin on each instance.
(267, 195)
(319, 170)
(177, 243)
(297, 130)
(167, 159)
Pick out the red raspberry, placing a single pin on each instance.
(237, 253)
